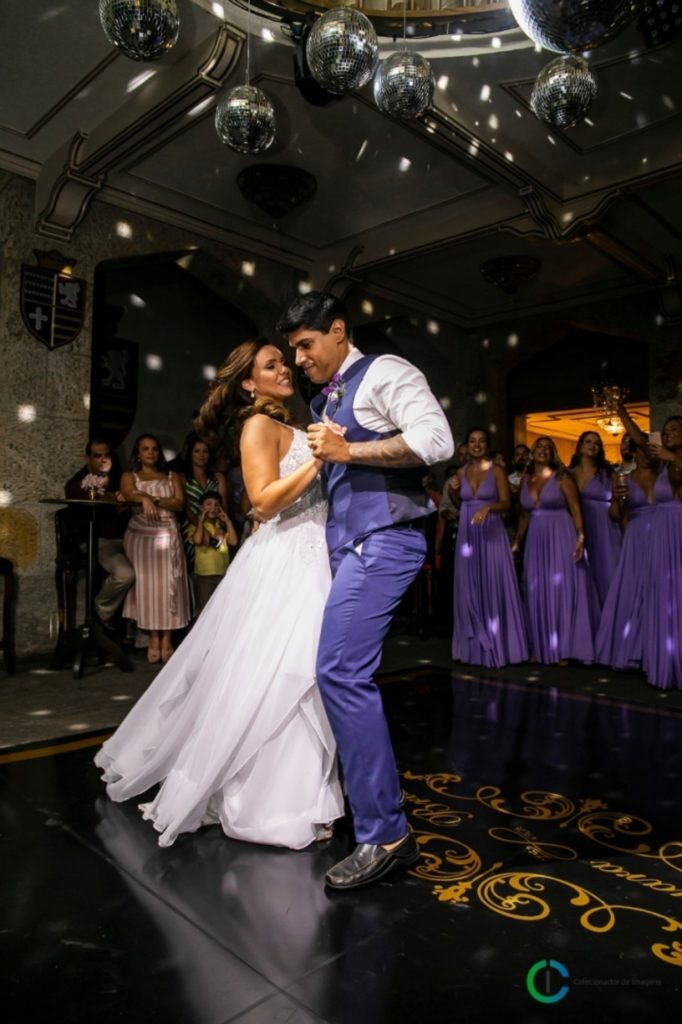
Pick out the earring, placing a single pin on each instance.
(253, 394)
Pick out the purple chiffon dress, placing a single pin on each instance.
(662, 628)
(561, 602)
(619, 639)
(603, 537)
(489, 627)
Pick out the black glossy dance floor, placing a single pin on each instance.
(550, 887)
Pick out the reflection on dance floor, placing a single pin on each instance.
(551, 872)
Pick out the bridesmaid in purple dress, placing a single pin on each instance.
(619, 639)
(663, 620)
(559, 593)
(489, 627)
(603, 536)
(662, 625)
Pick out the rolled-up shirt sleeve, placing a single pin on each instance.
(398, 393)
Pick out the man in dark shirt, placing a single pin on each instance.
(111, 524)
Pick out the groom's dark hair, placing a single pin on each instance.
(316, 311)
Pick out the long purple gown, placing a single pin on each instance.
(489, 627)
(561, 602)
(603, 537)
(662, 630)
(619, 639)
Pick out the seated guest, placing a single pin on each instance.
(159, 600)
(111, 525)
(212, 537)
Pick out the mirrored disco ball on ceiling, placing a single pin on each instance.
(342, 50)
(141, 29)
(245, 120)
(563, 92)
(403, 85)
(571, 26)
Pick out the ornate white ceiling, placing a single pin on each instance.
(416, 207)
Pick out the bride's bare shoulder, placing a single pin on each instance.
(260, 428)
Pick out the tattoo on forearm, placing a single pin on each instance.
(392, 452)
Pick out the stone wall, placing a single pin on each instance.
(44, 395)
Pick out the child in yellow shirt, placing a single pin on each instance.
(212, 537)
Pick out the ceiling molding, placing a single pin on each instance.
(75, 173)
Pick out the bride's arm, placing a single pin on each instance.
(259, 449)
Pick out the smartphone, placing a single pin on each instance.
(655, 437)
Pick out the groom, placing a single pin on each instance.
(376, 425)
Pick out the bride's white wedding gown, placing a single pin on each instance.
(233, 726)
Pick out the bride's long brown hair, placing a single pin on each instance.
(227, 405)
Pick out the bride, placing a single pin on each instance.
(233, 726)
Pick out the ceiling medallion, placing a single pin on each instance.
(508, 273)
(427, 19)
(277, 189)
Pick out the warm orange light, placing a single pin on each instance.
(565, 426)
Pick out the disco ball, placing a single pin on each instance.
(245, 120)
(403, 85)
(563, 92)
(141, 29)
(571, 26)
(342, 50)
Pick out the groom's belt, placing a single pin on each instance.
(414, 524)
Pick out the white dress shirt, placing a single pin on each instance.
(394, 394)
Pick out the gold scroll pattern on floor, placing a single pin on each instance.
(459, 872)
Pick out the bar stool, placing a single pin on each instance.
(8, 601)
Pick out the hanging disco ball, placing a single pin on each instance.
(571, 26)
(403, 85)
(245, 120)
(141, 29)
(563, 92)
(342, 50)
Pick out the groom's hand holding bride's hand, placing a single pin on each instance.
(327, 441)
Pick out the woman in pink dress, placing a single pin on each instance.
(159, 598)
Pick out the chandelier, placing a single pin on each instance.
(606, 398)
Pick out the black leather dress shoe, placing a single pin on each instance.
(368, 863)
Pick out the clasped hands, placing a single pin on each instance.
(327, 441)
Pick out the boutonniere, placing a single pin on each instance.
(335, 389)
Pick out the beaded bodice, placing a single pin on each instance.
(311, 506)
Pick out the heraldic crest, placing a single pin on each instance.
(52, 299)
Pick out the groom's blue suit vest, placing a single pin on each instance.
(363, 499)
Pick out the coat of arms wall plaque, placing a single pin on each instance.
(52, 299)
